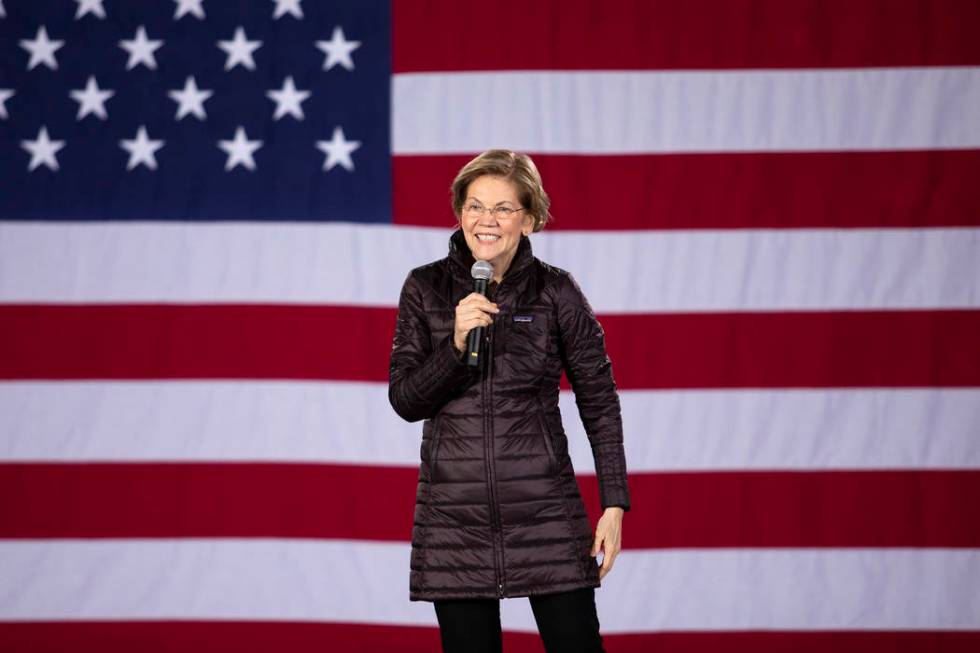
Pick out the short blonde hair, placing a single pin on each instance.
(519, 169)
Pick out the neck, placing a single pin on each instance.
(464, 257)
(500, 267)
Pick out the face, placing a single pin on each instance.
(494, 237)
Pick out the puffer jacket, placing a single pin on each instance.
(498, 511)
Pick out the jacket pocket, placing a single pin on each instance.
(548, 444)
(526, 345)
(434, 456)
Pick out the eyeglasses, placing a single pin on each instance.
(499, 212)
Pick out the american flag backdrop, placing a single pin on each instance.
(209, 207)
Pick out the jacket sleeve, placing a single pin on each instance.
(420, 378)
(589, 370)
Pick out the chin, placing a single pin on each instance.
(486, 251)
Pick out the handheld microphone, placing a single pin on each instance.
(482, 272)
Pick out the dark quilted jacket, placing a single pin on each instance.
(498, 511)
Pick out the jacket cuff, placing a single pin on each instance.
(617, 498)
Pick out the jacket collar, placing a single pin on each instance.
(462, 259)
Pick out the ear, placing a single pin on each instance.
(528, 226)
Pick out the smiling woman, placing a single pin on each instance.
(498, 512)
(492, 234)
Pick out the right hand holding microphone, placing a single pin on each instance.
(472, 311)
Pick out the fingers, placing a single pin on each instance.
(607, 565)
(472, 311)
(596, 547)
(475, 310)
(468, 318)
(609, 544)
(477, 300)
(608, 558)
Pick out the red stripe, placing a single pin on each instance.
(300, 637)
(793, 509)
(682, 350)
(138, 341)
(845, 349)
(703, 509)
(623, 34)
(206, 500)
(724, 191)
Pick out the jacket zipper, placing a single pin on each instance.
(548, 445)
(435, 450)
(495, 526)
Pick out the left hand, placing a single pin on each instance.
(608, 538)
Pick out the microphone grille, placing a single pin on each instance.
(482, 270)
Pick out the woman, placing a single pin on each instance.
(498, 512)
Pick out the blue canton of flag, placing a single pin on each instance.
(195, 110)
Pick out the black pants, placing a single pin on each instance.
(567, 622)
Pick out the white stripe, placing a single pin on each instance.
(621, 272)
(367, 582)
(351, 423)
(687, 111)
(858, 428)
(200, 421)
(216, 262)
(818, 589)
(629, 272)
